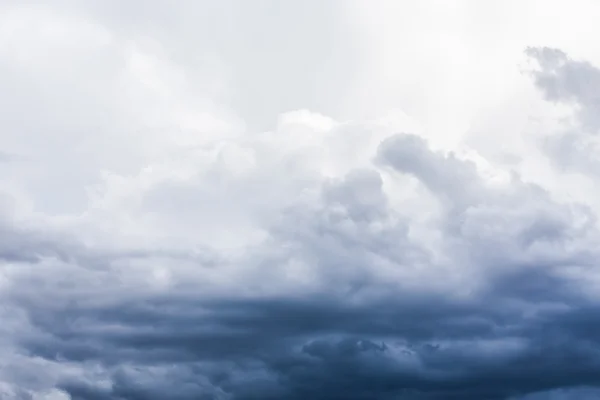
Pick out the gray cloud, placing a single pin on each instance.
(562, 79)
(574, 83)
(526, 328)
(159, 241)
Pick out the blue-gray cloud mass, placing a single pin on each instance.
(318, 259)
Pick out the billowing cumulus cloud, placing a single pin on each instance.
(199, 201)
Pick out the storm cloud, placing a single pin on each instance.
(187, 218)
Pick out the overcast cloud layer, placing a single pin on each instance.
(277, 200)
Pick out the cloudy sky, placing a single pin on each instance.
(289, 200)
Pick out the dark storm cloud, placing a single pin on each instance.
(525, 330)
(579, 393)
(431, 348)
(516, 324)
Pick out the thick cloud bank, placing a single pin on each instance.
(155, 245)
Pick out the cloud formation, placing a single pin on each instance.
(157, 243)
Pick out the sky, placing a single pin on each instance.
(286, 200)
